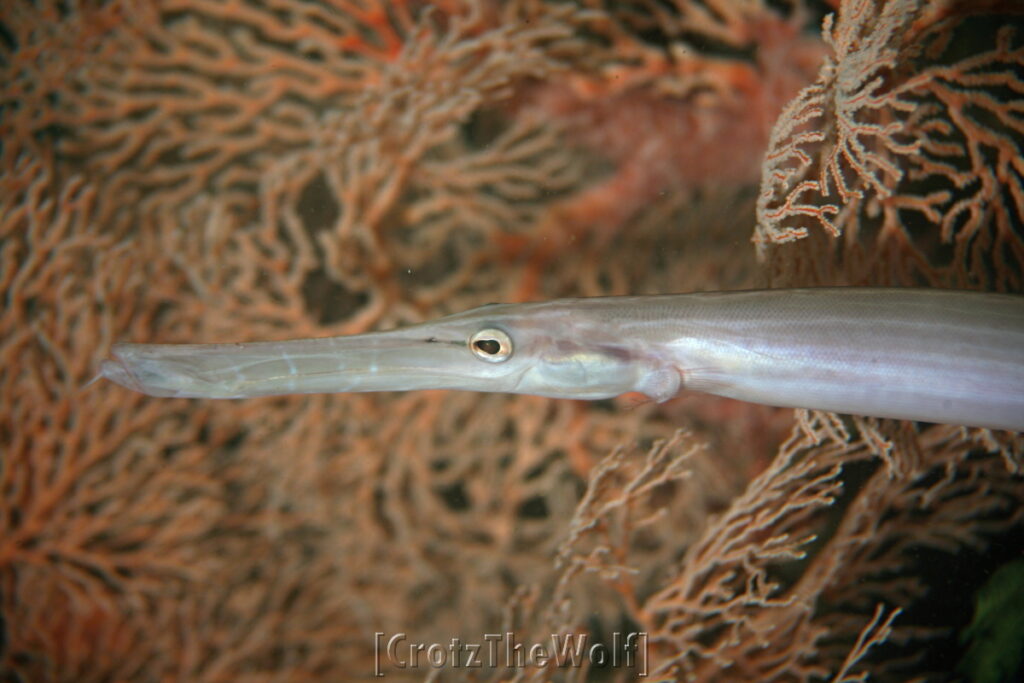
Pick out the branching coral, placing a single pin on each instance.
(206, 170)
(738, 606)
(903, 132)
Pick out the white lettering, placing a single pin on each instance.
(569, 652)
(392, 650)
(436, 655)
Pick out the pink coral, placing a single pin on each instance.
(204, 170)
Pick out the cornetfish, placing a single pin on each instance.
(933, 355)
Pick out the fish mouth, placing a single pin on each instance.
(386, 361)
(117, 372)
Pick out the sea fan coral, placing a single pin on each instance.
(909, 146)
(211, 170)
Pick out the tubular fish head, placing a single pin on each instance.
(547, 350)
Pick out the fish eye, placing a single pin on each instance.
(493, 346)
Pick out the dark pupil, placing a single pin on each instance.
(488, 346)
